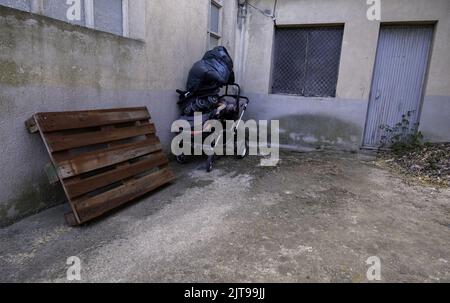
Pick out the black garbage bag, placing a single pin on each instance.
(213, 71)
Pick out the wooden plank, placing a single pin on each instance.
(59, 142)
(49, 122)
(98, 205)
(31, 125)
(95, 142)
(70, 219)
(52, 173)
(83, 186)
(90, 161)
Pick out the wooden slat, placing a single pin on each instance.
(59, 142)
(99, 159)
(98, 205)
(31, 125)
(49, 122)
(83, 186)
(71, 219)
(103, 158)
(52, 173)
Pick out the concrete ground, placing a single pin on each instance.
(317, 217)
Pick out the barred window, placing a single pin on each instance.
(215, 19)
(24, 5)
(58, 10)
(306, 61)
(105, 15)
(108, 16)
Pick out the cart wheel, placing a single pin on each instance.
(209, 164)
(181, 159)
(242, 150)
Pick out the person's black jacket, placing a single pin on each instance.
(213, 71)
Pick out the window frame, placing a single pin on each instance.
(301, 91)
(218, 36)
(37, 7)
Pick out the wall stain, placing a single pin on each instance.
(10, 73)
(37, 50)
(318, 130)
(31, 199)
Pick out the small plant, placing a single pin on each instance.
(403, 137)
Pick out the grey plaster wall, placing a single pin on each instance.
(356, 66)
(50, 65)
(47, 65)
(435, 119)
(310, 122)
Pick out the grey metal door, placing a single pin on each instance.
(398, 82)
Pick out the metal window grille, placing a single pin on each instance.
(306, 61)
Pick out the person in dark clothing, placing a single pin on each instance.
(205, 79)
(213, 71)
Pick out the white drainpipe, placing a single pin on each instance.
(241, 39)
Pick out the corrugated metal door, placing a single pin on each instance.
(398, 81)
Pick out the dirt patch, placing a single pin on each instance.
(318, 131)
(316, 217)
(429, 163)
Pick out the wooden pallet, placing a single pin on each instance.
(103, 158)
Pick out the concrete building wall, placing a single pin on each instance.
(50, 65)
(340, 121)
